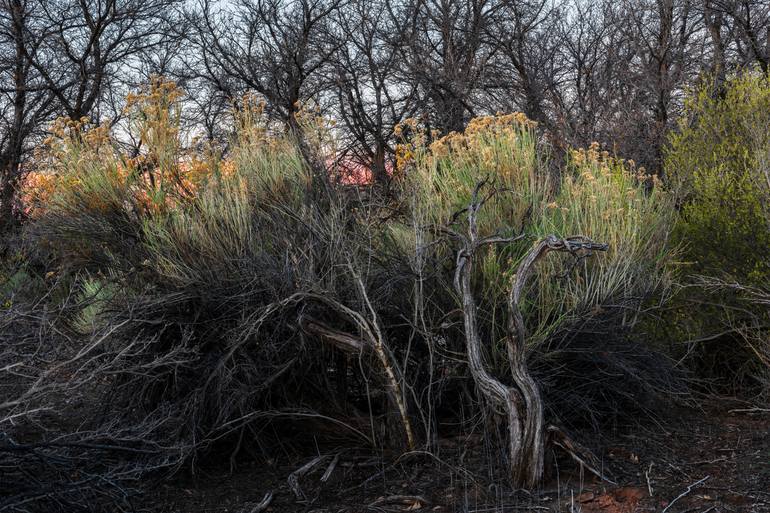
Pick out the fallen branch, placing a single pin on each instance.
(689, 489)
(649, 481)
(410, 502)
(295, 476)
(581, 455)
(330, 468)
(341, 340)
(750, 410)
(263, 504)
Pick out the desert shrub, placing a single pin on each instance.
(579, 309)
(718, 163)
(89, 216)
(195, 276)
(613, 202)
(222, 303)
(13, 279)
(597, 196)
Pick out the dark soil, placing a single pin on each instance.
(714, 459)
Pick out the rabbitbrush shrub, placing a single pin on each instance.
(597, 195)
(234, 298)
(579, 312)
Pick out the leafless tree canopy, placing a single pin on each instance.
(614, 72)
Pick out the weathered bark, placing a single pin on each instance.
(531, 458)
(521, 403)
(18, 130)
(371, 339)
(504, 399)
(379, 166)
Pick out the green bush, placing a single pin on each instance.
(719, 165)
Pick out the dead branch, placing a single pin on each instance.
(375, 340)
(340, 340)
(409, 502)
(521, 403)
(688, 490)
(295, 476)
(330, 469)
(263, 504)
(580, 455)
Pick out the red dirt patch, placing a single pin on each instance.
(619, 500)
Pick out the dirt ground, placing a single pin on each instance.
(708, 460)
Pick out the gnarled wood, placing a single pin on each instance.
(530, 459)
(520, 403)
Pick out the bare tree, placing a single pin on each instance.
(447, 55)
(527, 66)
(750, 24)
(588, 94)
(86, 47)
(24, 99)
(625, 69)
(714, 21)
(667, 57)
(370, 97)
(275, 48)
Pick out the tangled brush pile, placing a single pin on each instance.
(225, 302)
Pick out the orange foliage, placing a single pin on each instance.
(161, 177)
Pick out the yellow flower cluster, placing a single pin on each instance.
(408, 128)
(480, 144)
(412, 138)
(479, 132)
(156, 94)
(593, 162)
(605, 194)
(66, 134)
(590, 156)
(155, 112)
(317, 128)
(499, 123)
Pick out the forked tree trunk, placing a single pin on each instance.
(521, 403)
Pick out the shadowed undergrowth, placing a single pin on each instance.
(211, 305)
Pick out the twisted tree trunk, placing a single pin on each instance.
(521, 402)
